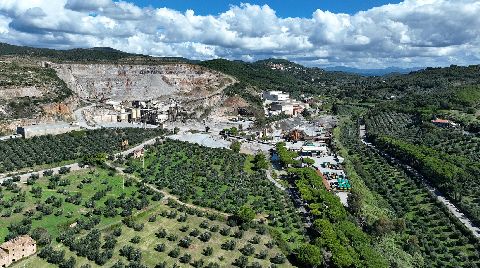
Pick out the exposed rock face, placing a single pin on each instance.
(56, 109)
(139, 82)
(235, 102)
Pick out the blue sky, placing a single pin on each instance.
(284, 8)
(408, 33)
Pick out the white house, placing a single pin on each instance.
(275, 96)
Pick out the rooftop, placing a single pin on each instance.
(443, 121)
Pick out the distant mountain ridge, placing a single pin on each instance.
(373, 72)
(94, 54)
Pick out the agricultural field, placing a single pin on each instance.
(448, 158)
(429, 228)
(19, 154)
(100, 217)
(219, 179)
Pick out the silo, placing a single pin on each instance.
(134, 114)
(123, 115)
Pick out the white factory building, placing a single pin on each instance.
(277, 102)
(275, 96)
(46, 129)
(287, 107)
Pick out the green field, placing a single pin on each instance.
(92, 205)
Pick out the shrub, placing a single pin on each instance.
(160, 247)
(262, 255)
(261, 230)
(225, 231)
(255, 240)
(117, 232)
(270, 244)
(185, 242)
(238, 234)
(174, 253)
(214, 228)
(135, 239)
(212, 265)
(248, 250)
(229, 245)
(278, 259)
(241, 262)
(204, 224)
(172, 237)
(185, 258)
(208, 251)
(131, 253)
(162, 233)
(195, 232)
(198, 263)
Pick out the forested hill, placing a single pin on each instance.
(91, 55)
(431, 89)
(284, 75)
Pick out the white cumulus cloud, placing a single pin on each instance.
(411, 33)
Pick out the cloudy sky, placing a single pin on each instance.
(355, 33)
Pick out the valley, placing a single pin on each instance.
(134, 161)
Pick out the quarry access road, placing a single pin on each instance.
(75, 166)
(434, 191)
(270, 178)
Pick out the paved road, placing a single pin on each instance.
(434, 191)
(24, 177)
(75, 166)
(270, 178)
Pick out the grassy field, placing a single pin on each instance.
(155, 216)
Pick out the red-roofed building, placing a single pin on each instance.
(443, 123)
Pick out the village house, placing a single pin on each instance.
(443, 123)
(16, 249)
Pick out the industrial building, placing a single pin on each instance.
(288, 107)
(46, 129)
(275, 96)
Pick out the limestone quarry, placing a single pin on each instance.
(118, 92)
(99, 82)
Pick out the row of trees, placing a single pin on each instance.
(429, 234)
(21, 153)
(347, 244)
